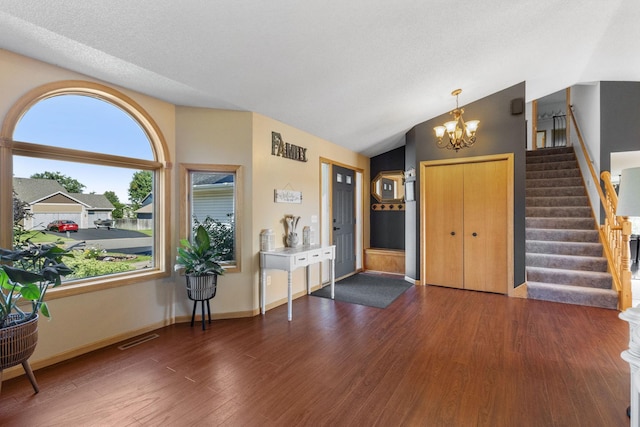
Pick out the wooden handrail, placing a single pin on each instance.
(607, 233)
(594, 176)
(614, 233)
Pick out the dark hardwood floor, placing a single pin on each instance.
(435, 357)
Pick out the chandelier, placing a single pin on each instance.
(461, 134)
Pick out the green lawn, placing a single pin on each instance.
(40, 237)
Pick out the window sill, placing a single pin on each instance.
(99, 284)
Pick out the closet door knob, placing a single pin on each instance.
(453, 233)
(474, 234)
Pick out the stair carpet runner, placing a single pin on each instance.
(564, 257)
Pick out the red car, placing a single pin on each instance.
(62, 225)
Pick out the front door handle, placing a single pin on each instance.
(336, 228)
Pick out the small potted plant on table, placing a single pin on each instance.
(199, 260)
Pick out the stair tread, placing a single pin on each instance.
(567, 230)
(568, 294)
(565, 242)
(571, 287)
(588, 257)
(567, 271)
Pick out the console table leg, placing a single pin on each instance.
(289, 302)
(263, 282)
(333, 278)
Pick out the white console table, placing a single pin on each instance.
(289, 259)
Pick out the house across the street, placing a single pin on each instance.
(48, 201)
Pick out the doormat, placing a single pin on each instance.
(366, 289)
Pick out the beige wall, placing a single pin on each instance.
(273, 172)
(81, 322)
(208, 136)
(220, 137)
(193, 135)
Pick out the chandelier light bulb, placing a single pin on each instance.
(460, 134)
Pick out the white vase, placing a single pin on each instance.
(292, 240)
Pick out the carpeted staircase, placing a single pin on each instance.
(563, 253)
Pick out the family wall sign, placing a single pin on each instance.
(284, 149)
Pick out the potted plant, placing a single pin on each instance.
(199, 260)
(25, 276)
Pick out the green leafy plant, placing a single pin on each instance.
(33, 269)
(220, 233)
(198, 258)
(90, 267)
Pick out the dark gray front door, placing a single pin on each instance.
(343, 203)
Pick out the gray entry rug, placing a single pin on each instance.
(366, 289)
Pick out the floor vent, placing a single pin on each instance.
(138, 341)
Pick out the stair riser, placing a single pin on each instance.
(564, 248)
(564, 201)
(585, 236)
(555, 192)
(554, 174)
(561, 223)
(572, 164)
(558, 182)
(567, 262)
(572, 278)
(555, 212)
(550, 157)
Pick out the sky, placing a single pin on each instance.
(83, 123)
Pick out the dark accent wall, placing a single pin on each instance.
(619, 119)
(499, 132)
(387, 227)
(410, 215)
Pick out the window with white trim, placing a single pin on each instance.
(89, 155)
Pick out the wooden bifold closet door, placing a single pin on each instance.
(466, 225)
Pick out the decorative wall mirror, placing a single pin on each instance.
(387, 187)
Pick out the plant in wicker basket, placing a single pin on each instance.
(26, 274)
(33, 269)
(199, 260)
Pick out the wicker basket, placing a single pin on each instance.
(202, 288)
(18, 342)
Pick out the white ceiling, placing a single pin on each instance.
(359, 73)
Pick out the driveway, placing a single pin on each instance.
(114, 240)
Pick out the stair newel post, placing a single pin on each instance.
(625, 264)
(617, 242)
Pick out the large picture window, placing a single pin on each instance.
(211, 199)
(87, 171)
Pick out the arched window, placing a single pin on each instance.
(79, 154)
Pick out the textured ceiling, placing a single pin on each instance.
(359, 73)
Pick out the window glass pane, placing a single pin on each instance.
(213, 205)
(112, 229)
(105, 214)
(83, 123)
